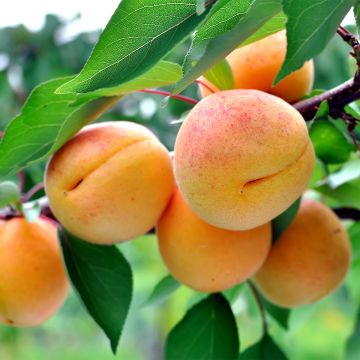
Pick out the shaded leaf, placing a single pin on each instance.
(137, 37)
(163, 289)
(102, 278)
(310, 26)
(45, 123)
(265, 349)
(281, 222)
(9, 193)
(238, 20)
(281, 315)
(221, 75)
(208, 331)
(330, 144)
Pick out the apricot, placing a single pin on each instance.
(33, 283)
(207, 258)
(242, 157)
(110, 182)
(256, 65)
(308, 261)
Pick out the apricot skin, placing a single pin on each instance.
(207, 258)
(308, 261)
(242, 157)
(256, 65)
(110, 183)
(33, 283)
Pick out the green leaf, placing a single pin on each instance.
(9, 193)
(31, 211)
(163, 73)
(221, 75)
(45, 123)
(208, 331)
(265, 349)
(103, 280)
(281, 315)
(330, 144)
(348, 172)
(228, 27)
(310, 26)
(281, 222)
(137, 37)
(277, 23)
(353, 344)
(344, 195)
(163, 289)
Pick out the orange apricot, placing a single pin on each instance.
(308, 261)
(207, 258)
(33, 283)
(110, 182)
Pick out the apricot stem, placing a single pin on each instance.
(167, 93)
(32, 192)
(205, 86)
(260, 305)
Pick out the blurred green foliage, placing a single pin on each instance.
(316, 332)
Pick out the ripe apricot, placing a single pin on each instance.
(110, 182)
(242, 157)
(256, 65)
(33, 283)
(204, 257)
(308, 261)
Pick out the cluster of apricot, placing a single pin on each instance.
(241, 158)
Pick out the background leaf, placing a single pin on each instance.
(221, 75)
(214, 332)
(281, 222)
(348, 172)
(9, 193)
(330, 144)
(209, 49)
(103, 280)
(344, 194)
(353, 344)
(357, 15)
(310, 26)
(163, 289)
(137, 36)
(265, 349)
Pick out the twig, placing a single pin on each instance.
(32, 192)
(205, 85)
(260, 305)
(21, 178)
